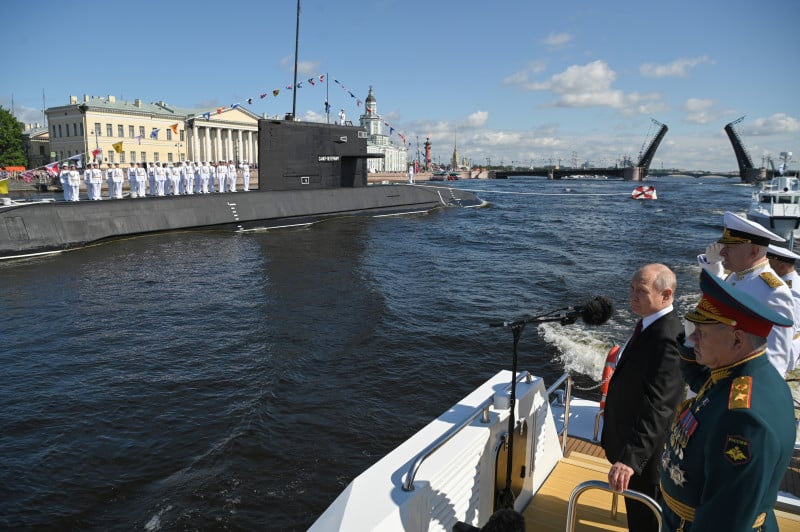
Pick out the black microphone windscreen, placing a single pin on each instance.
(597, 311)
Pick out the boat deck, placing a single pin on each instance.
(585, 460)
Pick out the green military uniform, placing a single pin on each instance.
(728, 448)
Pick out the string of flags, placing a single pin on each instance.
(313, 81)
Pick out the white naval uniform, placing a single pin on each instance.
(97, 184)
(74, 185)
(232, 177)
(151, 173)
(245, 176)
(110, 181)
(212, 177)
(792, 280)
(763, 283)
(161, 176)
(222, 176)
(205, 173)
(141, 179)
(116, 181)
(175, 180)
(63, 177)
(132, 181)
(197, 178)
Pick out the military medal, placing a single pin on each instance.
(677, 475)
(683, 430)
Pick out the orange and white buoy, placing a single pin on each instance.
(644, 192)
(608, 371)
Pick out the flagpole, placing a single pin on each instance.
(296, 46)
(327, 101)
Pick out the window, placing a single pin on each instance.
(182, 135)
(120, 131)
(156, 158)
(130, 133)
(80, 128)
(59, 130)
(53, 134)
(169, 134)
(133, 155)
(41, 150)
(141, 131)
(110, 156)
(143, 156)
(97, 130)
(122, 158)
(109, 130)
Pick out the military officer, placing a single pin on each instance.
(131, 174)
(245, 176)
(161, 178)
(729, 446)
(141, 179)
(63, 177)
(783, 262)
(742, 250)
(116, 181)
(222, 175)
(231, 176)
(110, 180)
(74, 183)
(96, 181)
(205, 176)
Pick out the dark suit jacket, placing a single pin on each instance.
(643, 394)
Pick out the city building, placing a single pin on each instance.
(395, 158)
(111, 130)
(36, 140)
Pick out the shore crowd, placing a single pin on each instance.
(154, 179)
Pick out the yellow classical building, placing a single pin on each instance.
(111, 130)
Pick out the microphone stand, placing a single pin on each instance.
(506, 497)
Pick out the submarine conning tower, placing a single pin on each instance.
(308, 155)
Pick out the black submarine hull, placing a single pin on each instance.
(31, 229)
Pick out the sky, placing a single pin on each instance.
(508, 82)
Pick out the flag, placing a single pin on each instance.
(311, 80)
(4, 186)
(95, 153)
(154, 133)
(118, 146)
(299, 84)
(174, 128)
(264, 95)
(275, 92)
(219, 110)
(322, 78)
(327, 107)
(234, 106)
(52, 169)
(249, 101)
(207, 115)
(139, 138)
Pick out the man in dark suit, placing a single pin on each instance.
(644, 392)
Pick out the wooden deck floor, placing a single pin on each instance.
(586, 461)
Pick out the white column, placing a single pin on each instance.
(217, 144)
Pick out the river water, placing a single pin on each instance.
(211, 380)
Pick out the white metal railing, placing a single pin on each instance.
(597, 484)
(564, 397)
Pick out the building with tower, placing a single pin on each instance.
(395, 158)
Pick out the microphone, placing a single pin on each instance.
(596, 311)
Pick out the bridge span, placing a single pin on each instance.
(630, 173)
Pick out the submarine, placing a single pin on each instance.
(308, 172)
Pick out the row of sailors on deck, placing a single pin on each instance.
(163, 179)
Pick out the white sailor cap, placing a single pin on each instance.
(782, 254)
(739, 230)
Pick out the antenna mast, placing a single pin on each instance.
(296, 46)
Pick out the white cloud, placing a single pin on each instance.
(557, 40)
(777, 124)
(521, 77)
(679, 68)
(700, 111)
(478, 118)
(303, 67)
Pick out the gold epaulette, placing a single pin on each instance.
(741, 390)
(771, 279)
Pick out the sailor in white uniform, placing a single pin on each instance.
(151, 173)
(205, 174)
(212, 176)
(222, 175)
(74, 183)
(110, 180)
(245, 176)
(783, 261)
(96, 182)
(131, 174)
(198, 187)
(742, 251)
(63, 177)
(141, 180)
(116, 181)
(231, 177)
(161, 177)
(174, 179)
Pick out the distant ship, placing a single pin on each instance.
(308, 172)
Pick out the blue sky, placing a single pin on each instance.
(512, 81)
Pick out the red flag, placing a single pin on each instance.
(322, 78)
(52, 169)
(174, 128)
(219, 110)
(95, 153)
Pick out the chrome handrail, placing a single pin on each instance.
(567, 398)
(482, 409)
(597, 484)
